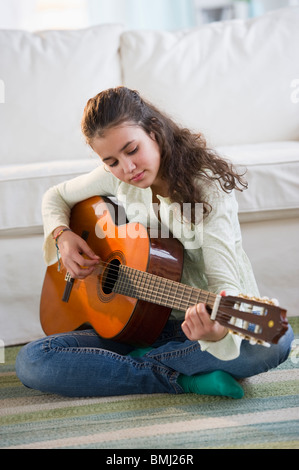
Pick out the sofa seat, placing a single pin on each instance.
(272, 176)
(273, 186)
(22, 188)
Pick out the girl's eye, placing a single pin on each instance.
(133, 151)
(114, 164)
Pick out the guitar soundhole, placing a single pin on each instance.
(110, 276)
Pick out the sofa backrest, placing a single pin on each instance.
(48, 78)
(231, 80)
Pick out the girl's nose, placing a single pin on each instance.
(128, 166)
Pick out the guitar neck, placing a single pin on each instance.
(158, 290)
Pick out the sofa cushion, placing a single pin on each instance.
(23, 186)
(231, 80)
(48, 78)
(273, 179)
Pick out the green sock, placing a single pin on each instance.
(215, 383)
(139, 352)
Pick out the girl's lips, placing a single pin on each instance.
(138, 177)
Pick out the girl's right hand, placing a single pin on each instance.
(74, 250)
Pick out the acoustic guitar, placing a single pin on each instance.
(130, 294)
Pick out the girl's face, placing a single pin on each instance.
(130, 154)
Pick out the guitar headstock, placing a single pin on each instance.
(257, 320)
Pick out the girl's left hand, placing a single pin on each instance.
(199, 326)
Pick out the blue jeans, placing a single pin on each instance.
(81, 363)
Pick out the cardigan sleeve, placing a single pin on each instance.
(59, 200)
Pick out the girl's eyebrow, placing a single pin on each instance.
(121, 150)
(107, 158)
(126, 145)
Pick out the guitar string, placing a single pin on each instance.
(198, 294)
(143, 276)
(202, 295)
(156, 278)
(177, 295)
(183, 303)
(152, 292)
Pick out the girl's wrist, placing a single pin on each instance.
(59, 231)
(56, 234)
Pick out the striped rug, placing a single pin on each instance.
(266, 418)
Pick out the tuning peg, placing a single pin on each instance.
(264, 300)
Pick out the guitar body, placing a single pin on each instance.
(92, 300)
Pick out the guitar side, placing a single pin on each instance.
(91, 300)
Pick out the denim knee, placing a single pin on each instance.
(28, 364)
(32, 363)
(22, 364)
(270, 358)
(284, 345)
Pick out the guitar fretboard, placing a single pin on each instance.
(159, 290)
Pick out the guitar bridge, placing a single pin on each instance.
(68, 287)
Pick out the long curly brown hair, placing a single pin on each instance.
(185, 158)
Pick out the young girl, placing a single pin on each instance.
(148, 159)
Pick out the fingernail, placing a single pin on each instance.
(201, 308)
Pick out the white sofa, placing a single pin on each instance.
(237, 82)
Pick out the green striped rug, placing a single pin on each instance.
(267, 417)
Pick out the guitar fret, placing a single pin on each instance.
(160, 288)
(176, 300)
(183, 304)
(189, 296)
(195, 297)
